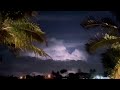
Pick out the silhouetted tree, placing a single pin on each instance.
(111, 39)
(92, 71)
(18, 32)
(79, 71)
(63, 71)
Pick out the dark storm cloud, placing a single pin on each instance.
(27, 65)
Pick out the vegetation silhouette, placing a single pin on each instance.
(53, 76)
(18, 32)
(110, 39)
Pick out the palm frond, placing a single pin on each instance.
(17, 14)
(90, 23)
(116, 71)
(31, 30)
(22, 34)
(108, 21)
(4, 36)
(104, 23)
(38, 51)
(95, 43)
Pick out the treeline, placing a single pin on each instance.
(62, 74)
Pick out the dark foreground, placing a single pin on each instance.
(51, 76)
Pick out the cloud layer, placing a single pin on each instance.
(59, 50)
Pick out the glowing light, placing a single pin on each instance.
(100, 77)
(21, 77)
(49, 75)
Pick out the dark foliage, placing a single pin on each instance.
(15, 14)
(54, 76)
(109, 60)
(63, 71)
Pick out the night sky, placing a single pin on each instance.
(66, 45)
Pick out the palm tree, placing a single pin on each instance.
(111, 39)
(110, 59)
(18, 32)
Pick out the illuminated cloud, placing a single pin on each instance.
(58, 51)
